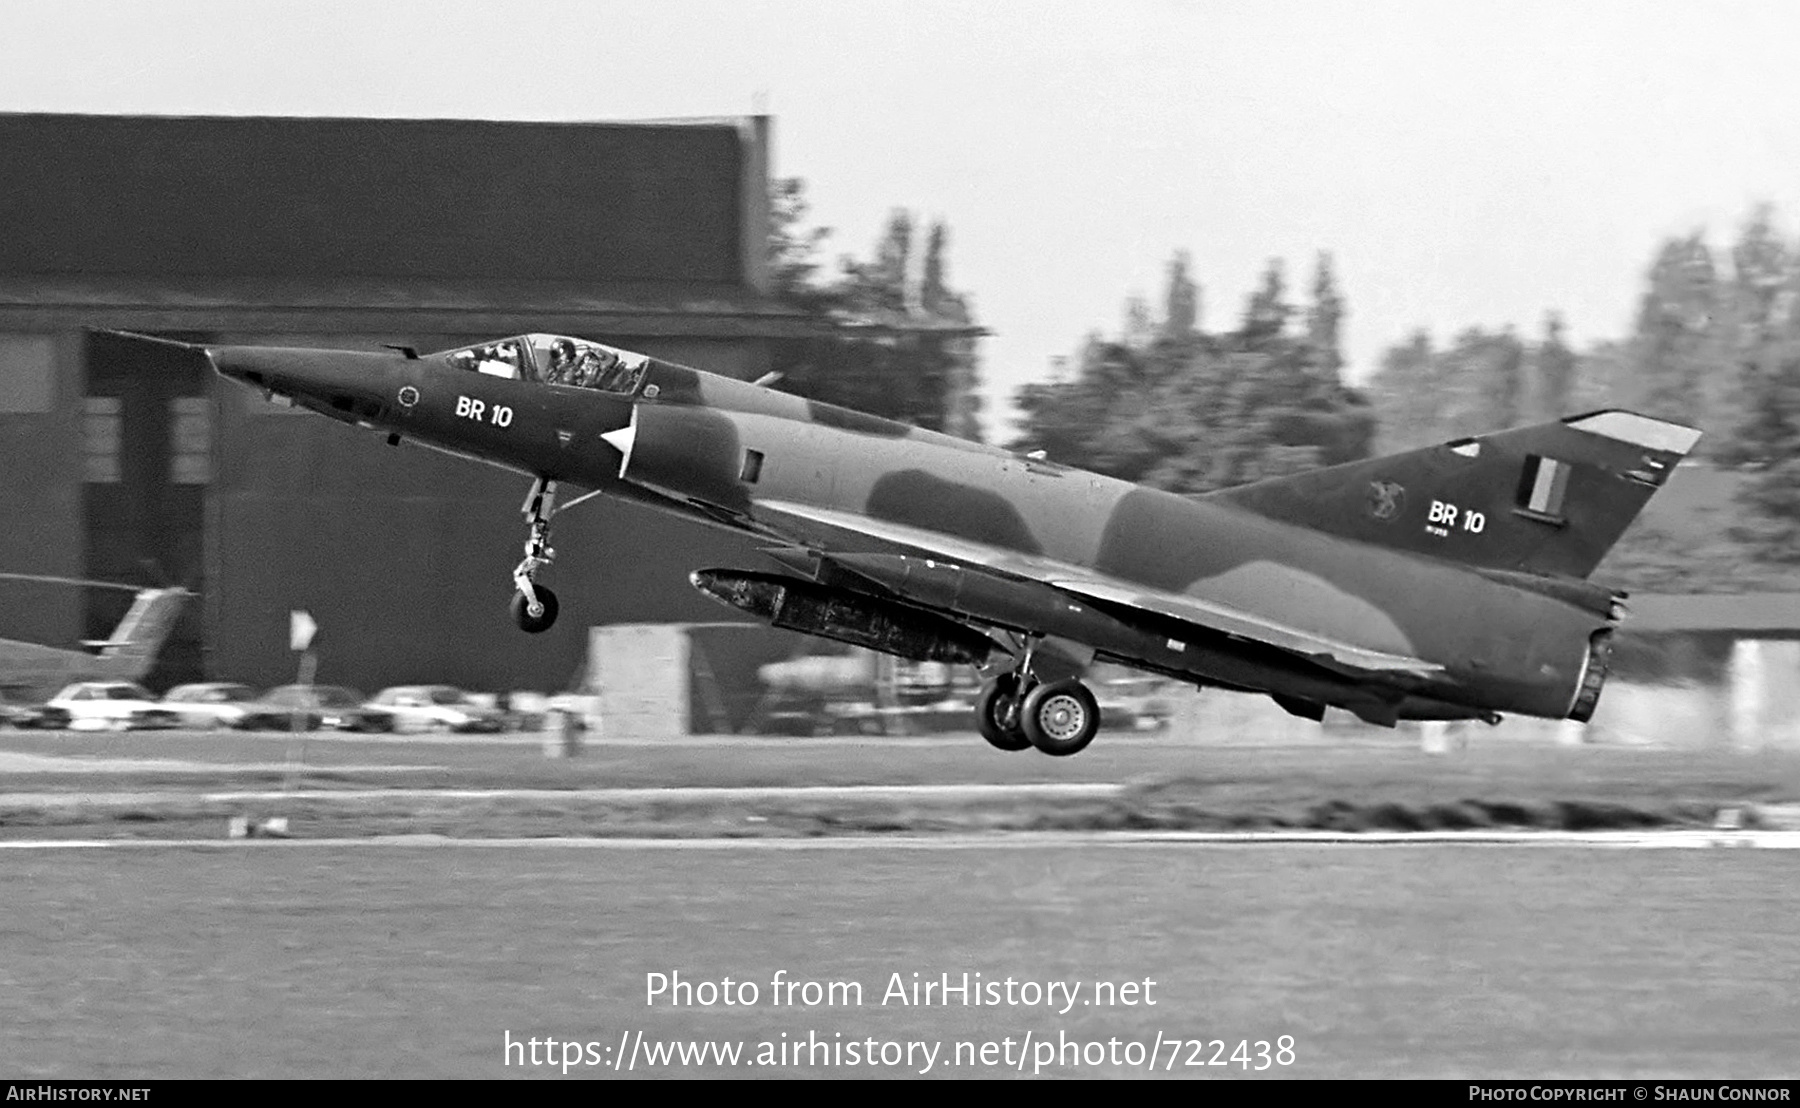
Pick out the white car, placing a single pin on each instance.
(211, 704)
(437, 708)
(112, 706)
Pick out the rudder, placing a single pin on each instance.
(1550, 499)
(145, 627)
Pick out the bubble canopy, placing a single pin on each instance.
(554, 360)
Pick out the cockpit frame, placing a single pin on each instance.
(558, 360)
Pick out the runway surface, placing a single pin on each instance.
(1605, 840)
(12, 761)
(419, 960)
(1479, 952)
(686, 794)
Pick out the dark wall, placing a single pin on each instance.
(146, 528)
(324, 198)
(40, 516)
(404, 557)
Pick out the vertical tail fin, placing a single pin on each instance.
(1550, 499)
(146, 626)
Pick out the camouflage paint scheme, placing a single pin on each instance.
(1422, 585)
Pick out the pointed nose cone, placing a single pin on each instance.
(246, 364)
(350, 385)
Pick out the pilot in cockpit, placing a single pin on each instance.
(562, 363)
(594, 366)
(619, 374)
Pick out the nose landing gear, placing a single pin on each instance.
(534, 608)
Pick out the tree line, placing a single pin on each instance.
(1166, 401)
(888, 335)
(1715, 344)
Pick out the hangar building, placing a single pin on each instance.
(125, 466)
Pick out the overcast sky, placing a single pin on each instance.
(1465, 162)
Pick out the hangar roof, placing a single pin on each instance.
(406, 199)
(365, 304)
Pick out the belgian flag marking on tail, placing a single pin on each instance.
(1542, 486)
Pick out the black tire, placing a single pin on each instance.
(997, 700)
(529, 623)
(1060, 718)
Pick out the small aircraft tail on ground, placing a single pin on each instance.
(1548, 500)
(144, 629)
(36, 670)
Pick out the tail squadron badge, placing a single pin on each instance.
(1386, 500)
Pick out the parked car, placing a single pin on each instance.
(437, 708)
(1134, 703)
(285, 712)
(333, 705)
(112, 706)
(29, 714)
(209, 704)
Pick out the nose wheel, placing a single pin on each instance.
(534, 608)
(532, 621)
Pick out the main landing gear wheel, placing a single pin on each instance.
(997, 714)
(1060, 718)
(532, 622)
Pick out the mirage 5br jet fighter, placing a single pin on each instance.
(1444, 583)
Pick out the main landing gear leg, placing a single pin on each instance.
(997, 714)
(1016, 710)
(997, 708)
(534, 608)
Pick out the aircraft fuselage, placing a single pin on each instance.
(889, 509)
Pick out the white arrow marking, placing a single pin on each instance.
(623, 440)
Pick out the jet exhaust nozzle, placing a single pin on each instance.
(1593, 676)
(844, 616)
